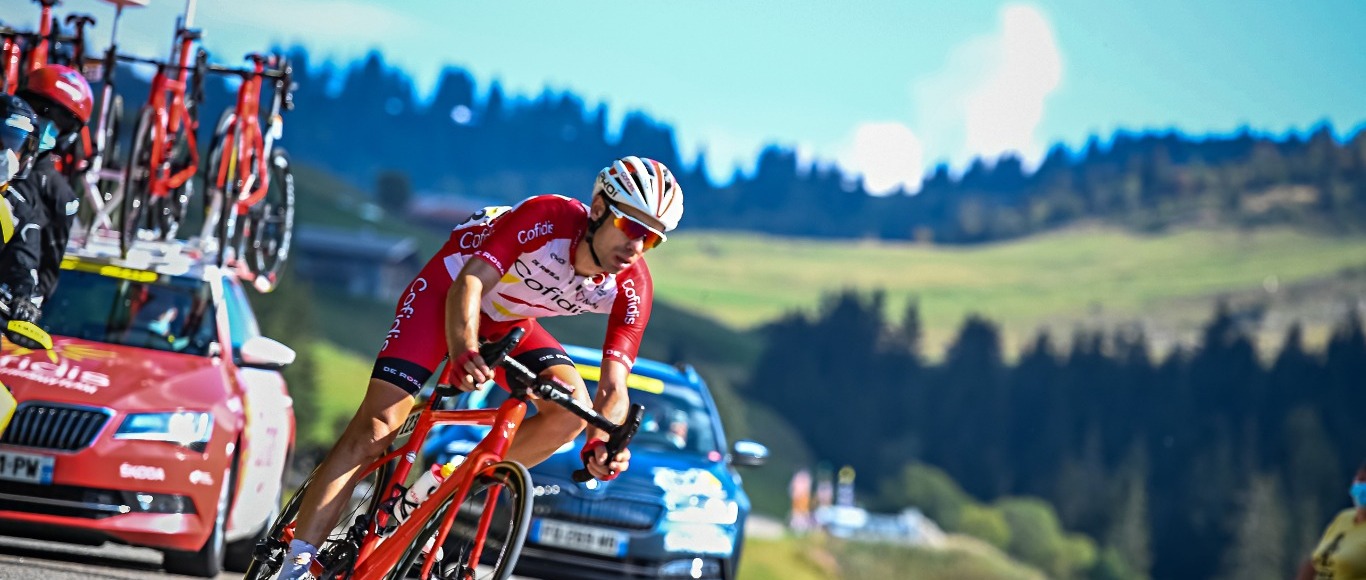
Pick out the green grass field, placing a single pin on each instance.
(1081, 276)
(817, 558)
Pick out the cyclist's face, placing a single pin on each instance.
(616, 248)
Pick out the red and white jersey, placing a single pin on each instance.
(532, 246)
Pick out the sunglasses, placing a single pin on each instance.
(634, 228)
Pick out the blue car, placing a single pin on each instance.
(678, 512)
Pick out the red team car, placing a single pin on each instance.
(159, 419)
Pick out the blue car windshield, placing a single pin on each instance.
(170, 314)
(676, 420)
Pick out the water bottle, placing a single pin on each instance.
(403, 507)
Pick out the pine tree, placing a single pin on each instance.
(1257, 551)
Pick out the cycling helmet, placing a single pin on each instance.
(61, 94)
(18, 138)
(644, 184)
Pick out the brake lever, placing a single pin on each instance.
(617, 440)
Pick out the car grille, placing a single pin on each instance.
(55, 427)
(617, 513)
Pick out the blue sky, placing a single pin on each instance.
(889, 88)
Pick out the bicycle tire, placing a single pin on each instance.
(170, 211)
(271, 550)
(215, 196)
(109, 157)
(136, 178)
(273, 227)
(503, 542)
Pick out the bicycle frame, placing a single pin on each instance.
(12, 54)
(377, 556)
(373, 557)
(246, 137)
(98, 170)
(171, 114)
(34, 47)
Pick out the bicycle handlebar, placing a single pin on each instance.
(619, 436)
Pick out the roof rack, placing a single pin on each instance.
(170, 257)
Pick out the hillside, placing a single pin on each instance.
(1083, 276)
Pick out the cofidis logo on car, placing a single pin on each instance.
(64, 370)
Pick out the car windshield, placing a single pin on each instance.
(676, 419)
(170, 314)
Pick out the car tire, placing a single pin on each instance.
(237, 556)
(208, 561)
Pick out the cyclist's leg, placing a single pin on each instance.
(552, 426)
(414, 346)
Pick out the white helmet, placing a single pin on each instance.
(644, 184)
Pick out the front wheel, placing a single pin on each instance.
(504, 489)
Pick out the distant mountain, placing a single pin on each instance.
(503, 148)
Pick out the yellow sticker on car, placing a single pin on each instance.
(7, 406)
(647, 384)
(109, 271)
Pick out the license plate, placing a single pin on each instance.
(580, 538)
(26, 467)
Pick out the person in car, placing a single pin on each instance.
(502, 269)
(677, 429)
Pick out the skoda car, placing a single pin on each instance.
(159, 419)
(678, 512)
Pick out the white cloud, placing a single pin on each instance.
(989, 98)
(887, 154)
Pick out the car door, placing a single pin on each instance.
(268, 429)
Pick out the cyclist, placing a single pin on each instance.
(18, 147)
(63, 101)
(503, 268)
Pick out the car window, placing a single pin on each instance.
(168, 313)
(676, 419)
(241, 322)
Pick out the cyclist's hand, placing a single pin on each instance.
(469, 371)
(595, 460)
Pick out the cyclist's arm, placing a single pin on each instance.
(625, 327)
(612, 399)
(462, 314)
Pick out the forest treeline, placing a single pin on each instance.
(1179, 464)
(363, 120)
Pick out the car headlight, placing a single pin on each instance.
(184, 428)
(699, 509)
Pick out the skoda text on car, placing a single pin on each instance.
(678, 512)
(159, 418)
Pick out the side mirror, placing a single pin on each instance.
(265, 353)
(748, 453)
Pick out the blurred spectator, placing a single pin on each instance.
(1341, 553)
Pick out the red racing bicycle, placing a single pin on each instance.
(157, 183)
(250, 208)
(473, 525)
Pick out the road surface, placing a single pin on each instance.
(22, 559)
